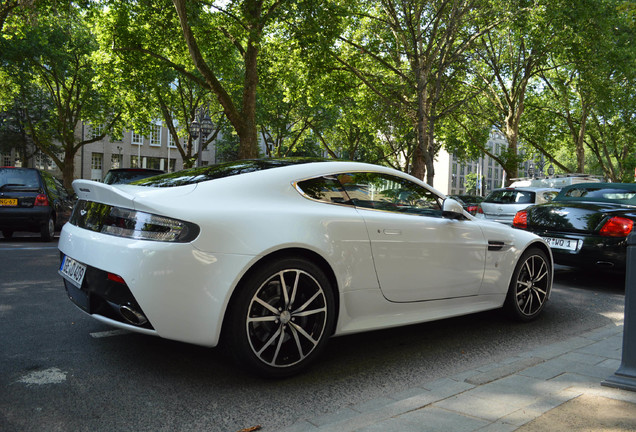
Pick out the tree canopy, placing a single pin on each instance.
(385, 81)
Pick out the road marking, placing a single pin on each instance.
(46, 376)
(109, 333)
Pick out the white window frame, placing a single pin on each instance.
(136, 139)
(155, 135)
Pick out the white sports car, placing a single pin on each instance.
(275, 256)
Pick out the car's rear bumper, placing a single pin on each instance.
(594, 251)
(182, 291)
(24, 219)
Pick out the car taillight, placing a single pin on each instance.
(472, 209)
(41, 200)
(520, 220)
(617, 227)
(480, 210)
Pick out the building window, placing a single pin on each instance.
(115, 161)
(6, 161)
(97, 162)
(153, 163)
(171, 142)
(137, 139)
(155, 135)
(97, 130)
(135, 162)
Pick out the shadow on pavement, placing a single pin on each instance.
(611, 282)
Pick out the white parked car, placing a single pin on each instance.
(501, 205)
(276, 256)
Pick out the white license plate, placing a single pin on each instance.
(73, 271)
(562, 243)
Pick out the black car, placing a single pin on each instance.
(128, 175)
(469, 202)
(586, 224)
(32, 200)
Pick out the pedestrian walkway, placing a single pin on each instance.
(556, 387)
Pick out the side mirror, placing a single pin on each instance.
(452, 209)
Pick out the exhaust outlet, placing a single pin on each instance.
(132, 316)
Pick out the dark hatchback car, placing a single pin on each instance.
(128, 175)
(32, 200)
(469, 202)
(586, 224)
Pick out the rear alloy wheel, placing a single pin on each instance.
(530, 286)
(47, 232)
(282, 318)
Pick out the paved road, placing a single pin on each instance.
(60, 370)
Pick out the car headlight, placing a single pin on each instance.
(133, 224)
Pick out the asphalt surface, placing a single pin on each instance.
(61, 370)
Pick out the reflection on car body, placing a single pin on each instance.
(274, 256)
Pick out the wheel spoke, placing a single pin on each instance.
(283, 287)
(307, 303)
(269, 342)
(294, 333)
(267, 306)
(295, 289)
(280, 343)
(310, 312)
(269, 318)
(304, 333)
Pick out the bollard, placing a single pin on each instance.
(625, 376)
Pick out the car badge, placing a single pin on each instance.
(83, 212)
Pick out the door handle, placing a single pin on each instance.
(392, 232)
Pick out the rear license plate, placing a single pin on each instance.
(73, 271)
(562, 243)
(8, 202)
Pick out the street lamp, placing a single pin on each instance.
(200, 128)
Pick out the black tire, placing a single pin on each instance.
(47, 231)
(281, 318)
(530, 286)
(7, 234)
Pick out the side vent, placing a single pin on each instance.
(494, 245)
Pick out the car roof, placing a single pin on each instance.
(293, 168)
(528, 189)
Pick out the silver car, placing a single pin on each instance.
(501, 205)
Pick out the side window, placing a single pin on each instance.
(390, 193)
(326, 189)
(50, 185)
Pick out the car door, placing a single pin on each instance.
(418, 254)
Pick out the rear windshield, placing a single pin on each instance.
(212, 172)
(620, 194)
(510, 196)
(16, 178)
(127, 176)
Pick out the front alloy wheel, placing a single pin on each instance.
(282, 318)
(530, 285)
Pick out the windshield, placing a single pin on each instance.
(17, 178)
(227, 169)
(510, 196)
(619, 193)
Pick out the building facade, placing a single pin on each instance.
(451, 174)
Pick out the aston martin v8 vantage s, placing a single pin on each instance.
(274, 256)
